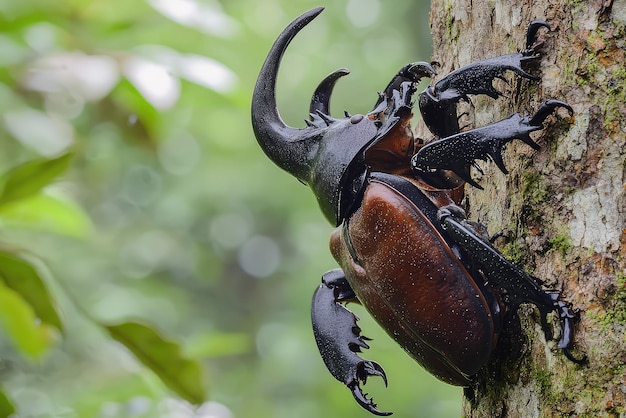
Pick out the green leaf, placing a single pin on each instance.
(48, 213)
(164, 358)
(6, 407)
(22, 277)
(20, 323)
(28, 178)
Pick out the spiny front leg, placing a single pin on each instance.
(461, 151)
(396, 101)
(438, 103)
(339, 338)
(412, 72)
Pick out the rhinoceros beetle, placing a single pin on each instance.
(431, 278)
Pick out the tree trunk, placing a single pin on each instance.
(563, 208)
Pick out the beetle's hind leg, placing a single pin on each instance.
(567, 316)
(339, 338)
(520, 286)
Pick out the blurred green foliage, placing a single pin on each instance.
(149, 250)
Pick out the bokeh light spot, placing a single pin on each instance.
(363, 13)
(260, 256)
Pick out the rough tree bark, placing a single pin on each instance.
(563, 208)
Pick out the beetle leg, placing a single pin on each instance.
(339, 338)
(520, 286)
(412, 72)
(567, 316)
(459, 152)
(531, 35)
(438, 103)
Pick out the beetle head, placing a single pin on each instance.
(328, 154)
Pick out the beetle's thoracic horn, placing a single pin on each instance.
(320, 102)
(288, 147)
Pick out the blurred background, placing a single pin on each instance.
(142, 196)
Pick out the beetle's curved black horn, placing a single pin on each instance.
(284, 145)
(320, 102)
